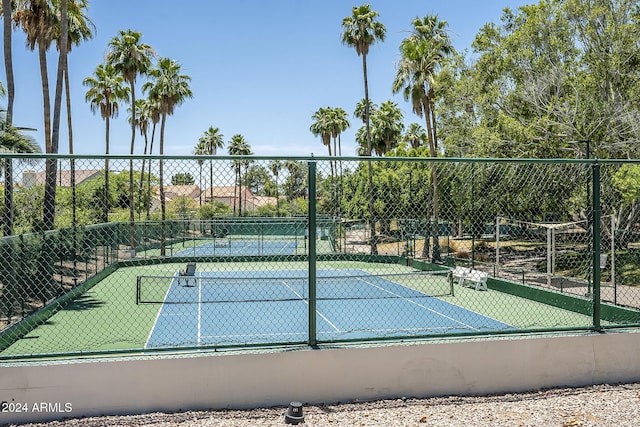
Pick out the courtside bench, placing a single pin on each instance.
(470, 277)
(188, 273)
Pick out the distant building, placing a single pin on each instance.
(32, 178)
(173, 191)
(232, 196)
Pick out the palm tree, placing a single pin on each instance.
(200, 150)
(77, 28)
(421, 55)
(341, 121)
(106, 90)
(37, 18)
(389, 125)
(212, 139)
(169, 88)
(238, 146)
(142, 123)
(8, 58)
(322, 127)
(415, 135)
(154, 115)
(361, 109)
(361, 30)
(130, 58)
(80, 28)
(51, 169)
(7, 219)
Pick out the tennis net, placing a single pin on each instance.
(254, 288)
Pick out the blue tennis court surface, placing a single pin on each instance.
(259, 307)
(230, 247)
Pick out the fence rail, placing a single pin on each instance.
(309, 250)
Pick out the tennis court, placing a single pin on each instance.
(241, 247)
(273, 306)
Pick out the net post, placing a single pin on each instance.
(312, 252)
(138, 290)
(595, 262)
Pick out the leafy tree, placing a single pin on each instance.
(259, 180)
(12, 140)
(548, 80)
(182, 207)
(295, 183)
(182, 179)
(213, 209)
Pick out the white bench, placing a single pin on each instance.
(459, 273)
(478, 279)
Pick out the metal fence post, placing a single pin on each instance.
(312, 253)
(595, 262)
(473, 228)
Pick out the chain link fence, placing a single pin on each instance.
(152, 253)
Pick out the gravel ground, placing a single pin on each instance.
(602, 406)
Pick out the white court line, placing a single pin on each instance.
(307, 302)
(289, 334)
(146, 343)
(419, 305)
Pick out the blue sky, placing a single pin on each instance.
(259, 68)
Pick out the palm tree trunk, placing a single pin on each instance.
(235, 189)
(8, 58)
(72, 169)
(8, 255)
(435, 256)
(51, 165)
(277, 196)
(211, 180)
(372, 226)
(330, 162)
(106, 207)
(200, 183)
(240, 190)
(67, 95)
(435, 253)
(153, 134)
(7, 220)
(132, 218)
(72, 164)
(163, 238)
(141, 185)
